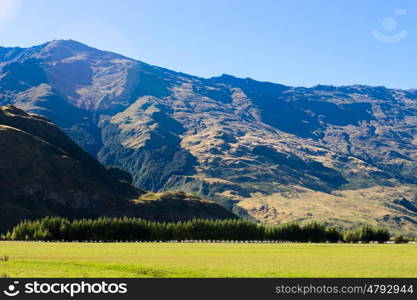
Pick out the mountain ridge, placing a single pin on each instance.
(68, 42)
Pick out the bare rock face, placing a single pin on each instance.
(44, 173)
(249, 145)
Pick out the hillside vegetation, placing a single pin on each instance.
(45, 173)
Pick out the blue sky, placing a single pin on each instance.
(294, 42)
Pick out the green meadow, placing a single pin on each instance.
(35, 259)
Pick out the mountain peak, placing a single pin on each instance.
(61, 49)
(66, 43)
(228, 79)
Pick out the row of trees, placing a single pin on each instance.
(134, 229)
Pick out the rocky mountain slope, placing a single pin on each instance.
(45, 173)
(344, 155)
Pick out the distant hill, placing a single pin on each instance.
(344, 155)
(44, 173)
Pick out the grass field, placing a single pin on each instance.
(27, 259)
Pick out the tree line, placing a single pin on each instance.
(134, 229)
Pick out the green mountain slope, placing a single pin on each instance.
(44, 173)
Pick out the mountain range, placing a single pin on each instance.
(341, 155)
(44, 173)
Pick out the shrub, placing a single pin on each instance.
(400, 239)
(4, 258)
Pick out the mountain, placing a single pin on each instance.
(44, 173)
(343, 155)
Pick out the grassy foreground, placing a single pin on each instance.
(29, 259)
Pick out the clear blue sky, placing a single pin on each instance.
(294, 42)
